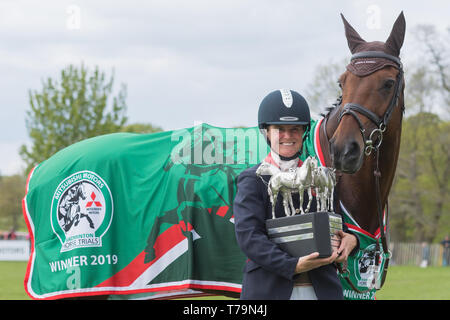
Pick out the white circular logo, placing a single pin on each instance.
(82, 210)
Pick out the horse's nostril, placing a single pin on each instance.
(351, 150)
(346, 157)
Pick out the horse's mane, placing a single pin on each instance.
(328, 110)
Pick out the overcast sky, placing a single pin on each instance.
(185, 61)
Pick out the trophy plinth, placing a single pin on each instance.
(304, 234)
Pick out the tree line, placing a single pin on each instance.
(81, 104)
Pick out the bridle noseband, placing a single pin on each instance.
(380, 123)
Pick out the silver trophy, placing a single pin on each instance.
(302, 234)
(307, 177)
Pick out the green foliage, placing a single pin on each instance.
(141, 128)
(79, 105)
(324, 89)
(420, 199)
(11, 193)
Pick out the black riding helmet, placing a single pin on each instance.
(284, 106)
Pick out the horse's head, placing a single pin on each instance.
(310, 162)
(371, 86)
(266, 169)
(81, 191)
(260, 169)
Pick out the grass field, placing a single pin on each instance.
(402, 283)
(415, 283)
(11, 280)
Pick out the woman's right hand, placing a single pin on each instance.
(312, 261)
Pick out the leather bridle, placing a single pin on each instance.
(381, 123)
(370, 144)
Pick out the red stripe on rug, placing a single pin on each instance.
(164, 242)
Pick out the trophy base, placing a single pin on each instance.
(304, 234)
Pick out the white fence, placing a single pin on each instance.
(416, 254)
(14, 250)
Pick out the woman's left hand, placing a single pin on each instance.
(348, 242)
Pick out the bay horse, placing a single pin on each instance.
(360, 135)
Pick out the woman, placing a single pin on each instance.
(271, 273)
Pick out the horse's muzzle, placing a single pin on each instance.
(348, 157)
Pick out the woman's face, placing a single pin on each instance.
(285, 139)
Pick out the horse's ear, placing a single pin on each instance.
(395, 40)
(353, 38)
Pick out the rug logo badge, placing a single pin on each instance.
(366, 267)
(81, 211)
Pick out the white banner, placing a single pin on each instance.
(14, 250)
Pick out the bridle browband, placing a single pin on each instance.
(380, 122)
(369, 146)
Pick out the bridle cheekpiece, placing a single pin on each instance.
(373, 142)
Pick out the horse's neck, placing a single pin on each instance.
(273, 171)
(304, 172)
(357, 191)
(269, 169)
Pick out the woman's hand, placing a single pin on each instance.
(312, 261)
(348, 242)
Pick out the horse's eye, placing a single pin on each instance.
(388, 84)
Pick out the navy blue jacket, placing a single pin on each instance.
(269, 271)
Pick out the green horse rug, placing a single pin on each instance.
(149, 214)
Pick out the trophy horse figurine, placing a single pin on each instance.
(324, 182)
(307, 177)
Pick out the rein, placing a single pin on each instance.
(373, 145)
